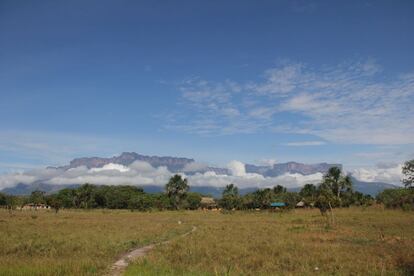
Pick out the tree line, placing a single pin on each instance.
(335, 190)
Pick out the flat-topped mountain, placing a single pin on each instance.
(173, 164)
(177, 164)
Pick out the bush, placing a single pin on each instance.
(192, 201)
(397, 198)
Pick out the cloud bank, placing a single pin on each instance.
(380, 173)
(142, 173)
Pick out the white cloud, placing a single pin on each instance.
(351, 103)
(141, 173)
(281, 80)
(237, 168)
(253, 180)
(11, 180)
(380, 173)
(110, 167)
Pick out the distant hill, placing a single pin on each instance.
(371, 188)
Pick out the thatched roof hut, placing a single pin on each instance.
(208, 202)
(300, 204)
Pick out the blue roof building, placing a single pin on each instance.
(278, 204)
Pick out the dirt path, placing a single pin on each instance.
(121, 264)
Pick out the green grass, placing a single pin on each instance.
(368, 241)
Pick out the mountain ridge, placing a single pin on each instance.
(179, 164)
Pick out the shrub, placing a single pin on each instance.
(397, 198)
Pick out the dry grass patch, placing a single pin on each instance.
(77, 242)
(364, 242)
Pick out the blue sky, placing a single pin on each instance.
(213, 80)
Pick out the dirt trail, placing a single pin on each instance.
(121, 264)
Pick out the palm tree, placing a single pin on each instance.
(230, 198)
(231, 190)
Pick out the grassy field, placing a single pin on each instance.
(368, 241)
(76, 242)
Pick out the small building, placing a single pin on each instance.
(300, 204)
(208, 203)
(278, 204)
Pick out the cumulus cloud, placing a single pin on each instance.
(237, 168)
(386, 173)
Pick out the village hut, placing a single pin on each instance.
(300, 204)
(208, 203)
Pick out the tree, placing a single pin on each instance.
(37, 197)
(278, 189)
(54, 202)
(231, 190)
(140, 202)
(11, 202)
(3, 199)
(161, 201)
(230, 198)
(117, 197)
(397, 198)
(263, 198)
(309, 193)
(84, 196)
(309, 190)
(335, 181)
(67, 197)
(176, 189)
(408, 172)
(326, 199)
(193, 201)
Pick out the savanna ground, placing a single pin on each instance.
(369, 241)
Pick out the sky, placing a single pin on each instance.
(254, 81)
